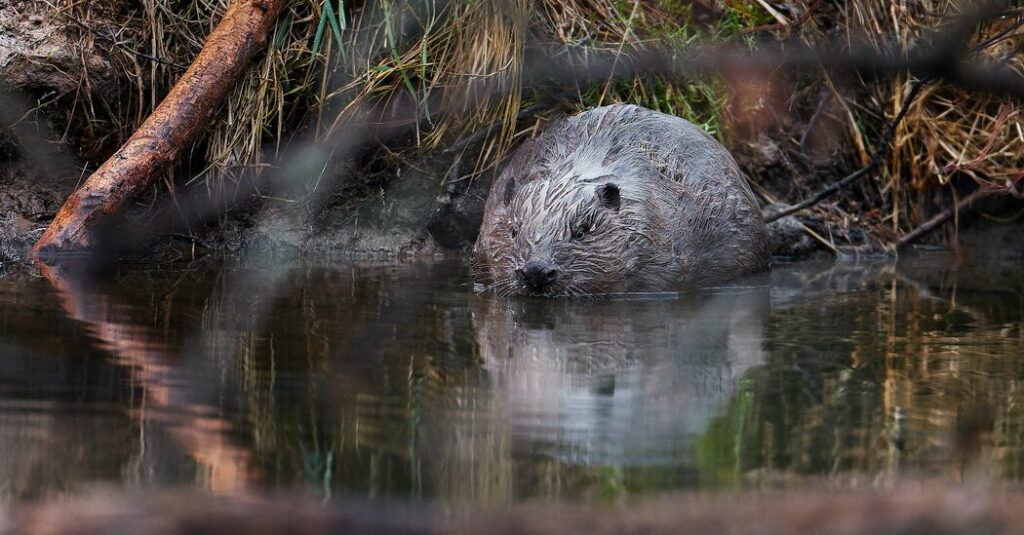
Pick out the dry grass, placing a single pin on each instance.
(155, 40)
(949, 134)
(467, 60)
(460, 66)
(325, 67)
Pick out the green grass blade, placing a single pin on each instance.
(329, 9)
(318, 38)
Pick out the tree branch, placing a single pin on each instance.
(881, 149)
(186, 109)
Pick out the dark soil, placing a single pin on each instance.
(33, 184)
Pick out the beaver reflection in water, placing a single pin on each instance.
(619, 199)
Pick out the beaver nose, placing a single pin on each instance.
(537, 275)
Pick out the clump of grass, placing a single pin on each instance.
(460, 64)
(949, 134)
(155, 40)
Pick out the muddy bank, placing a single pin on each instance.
(45, 68)
(393, 212)
(423, 206)
(906, 509)
(35, 177)
(24, 207)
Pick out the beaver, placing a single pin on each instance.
(616, 199)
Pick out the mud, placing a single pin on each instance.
(23, 205)
(39, 50)
(35, 177)
(44, 63)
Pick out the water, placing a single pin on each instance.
(399, 382)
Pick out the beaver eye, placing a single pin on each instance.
(579, 232)
(582, 227)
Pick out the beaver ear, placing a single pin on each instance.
(609, 196)
(510, 191)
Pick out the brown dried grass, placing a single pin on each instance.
(467, 59)
(949, 133)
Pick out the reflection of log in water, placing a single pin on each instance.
(172, 394)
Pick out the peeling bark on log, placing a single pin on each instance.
(137, 165)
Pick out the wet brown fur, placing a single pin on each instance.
(687, 216)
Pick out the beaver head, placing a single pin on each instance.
(566, 236)
(618, 199)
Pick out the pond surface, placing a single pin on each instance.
(398, 381)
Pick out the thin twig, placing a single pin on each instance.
(106, 36)
(941, 218)
(822, 101)
(774, 12)
(788, 26)
(876, 160)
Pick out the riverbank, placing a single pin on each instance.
(80, 78)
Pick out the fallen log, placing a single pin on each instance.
(138, 164)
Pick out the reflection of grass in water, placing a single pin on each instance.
(868, 382)
(371, 446)
(720, 450)
(886, 381)
(317, 466)
(1009, 430)
(415, 388)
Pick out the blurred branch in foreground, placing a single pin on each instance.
(909, 507)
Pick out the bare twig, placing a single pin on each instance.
(788, 26)
(964, 205)
(107, 36)
(822, 101)
(881, 149)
